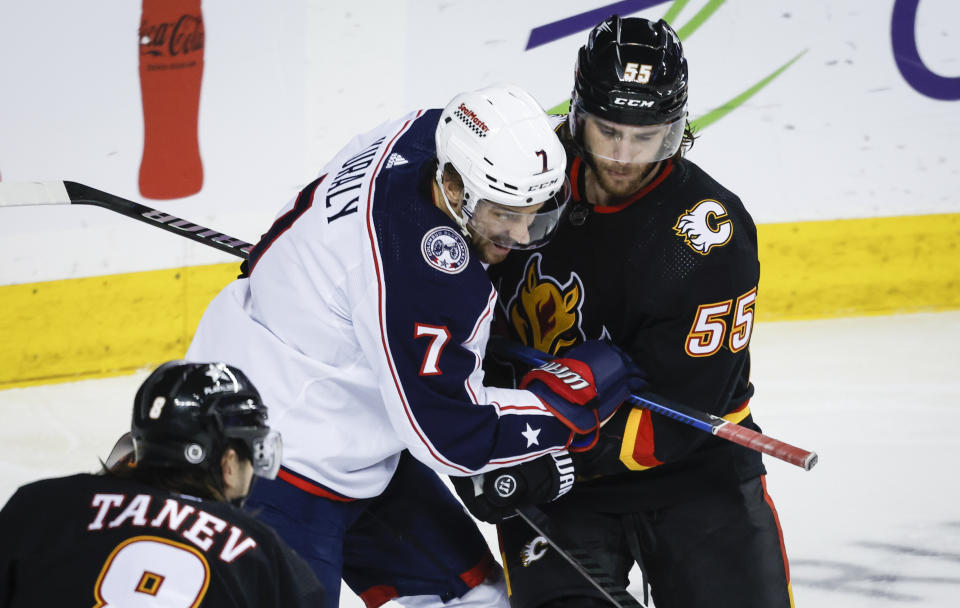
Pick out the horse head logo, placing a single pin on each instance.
(545, 313)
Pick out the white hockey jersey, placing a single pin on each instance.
(363, 322)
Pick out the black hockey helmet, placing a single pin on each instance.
(185, 415)
(632, 72)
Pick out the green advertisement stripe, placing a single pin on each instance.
(702, 15)
(674, 10)
(702, 122)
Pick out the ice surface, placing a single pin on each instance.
(875, 523)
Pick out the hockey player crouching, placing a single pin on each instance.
(156, 528)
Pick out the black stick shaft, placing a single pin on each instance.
(85, 195)
(580, 559)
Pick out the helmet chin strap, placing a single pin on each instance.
(461, 220)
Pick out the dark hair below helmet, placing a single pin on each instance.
(632, 71)
(186, 414)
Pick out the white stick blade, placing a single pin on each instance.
(15, 194)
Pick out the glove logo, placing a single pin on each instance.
(533, 551)
(569, 377)
(505, 485)
(566, 472)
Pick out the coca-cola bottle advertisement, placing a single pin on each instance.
(171, 68)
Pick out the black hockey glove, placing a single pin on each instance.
(585, 386)
(494, 496)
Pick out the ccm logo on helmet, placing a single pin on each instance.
(633, 103)
(543, 185)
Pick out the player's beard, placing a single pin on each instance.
(620, 180)
(488, 251)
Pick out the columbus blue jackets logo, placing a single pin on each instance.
(444, 249)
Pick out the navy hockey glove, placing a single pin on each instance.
(587, 385)
(494, 496)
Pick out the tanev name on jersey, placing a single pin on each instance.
(202, 532)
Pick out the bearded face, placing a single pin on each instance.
(622, 154)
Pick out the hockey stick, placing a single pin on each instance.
(580, 559)
(700, 420)
(72, 193)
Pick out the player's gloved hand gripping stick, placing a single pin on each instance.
(692, 417)
(515, 491)
(584, 388)
(495, 496)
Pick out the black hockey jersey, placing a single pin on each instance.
(95, 540)
(670, 276)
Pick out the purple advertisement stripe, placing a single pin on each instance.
(584, 21)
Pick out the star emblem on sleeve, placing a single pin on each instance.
(531, 435)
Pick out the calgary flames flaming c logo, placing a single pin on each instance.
(705, 226)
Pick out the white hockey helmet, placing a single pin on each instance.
(501, 142)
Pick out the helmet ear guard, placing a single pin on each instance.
(246, 421)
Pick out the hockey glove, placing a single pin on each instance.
(587, 385)
(495, 496)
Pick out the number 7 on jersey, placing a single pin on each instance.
(439, 336)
